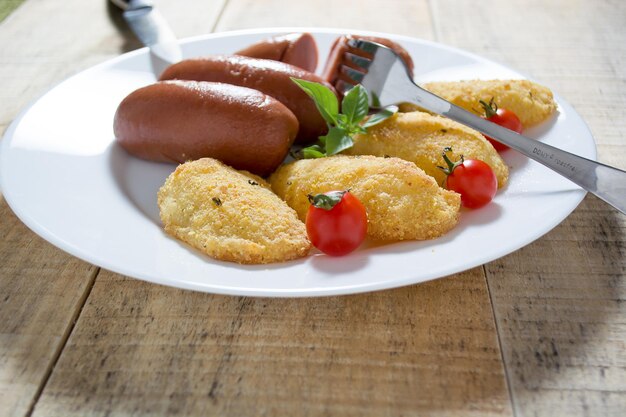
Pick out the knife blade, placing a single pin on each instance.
(153, 31)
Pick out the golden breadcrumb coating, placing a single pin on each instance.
(230, 215)
(531, 102)
(402, 202)
(421, 137)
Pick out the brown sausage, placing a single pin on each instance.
(177, 121)
(335, 59)
(267, 76)
(297, 49)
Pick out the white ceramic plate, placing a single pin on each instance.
(65, 177)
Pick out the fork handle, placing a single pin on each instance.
(606, 182)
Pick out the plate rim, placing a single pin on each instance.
(377, 285)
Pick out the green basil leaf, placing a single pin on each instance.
(325, 100)
(355, 104)
(312, 152)
(337, 140)
(384, 114)
(342, 121)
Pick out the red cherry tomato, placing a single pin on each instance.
(473, 179)
(503, 117)
(340, 226)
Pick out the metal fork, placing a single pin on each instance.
(388, 81)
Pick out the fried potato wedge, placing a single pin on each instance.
(402, 202)
(230, 215)
(421, 137)
(531, 102)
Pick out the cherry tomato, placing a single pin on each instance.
(503, 117)
(336, 222)
(473, 179)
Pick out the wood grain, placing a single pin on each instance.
(142, 349)
(41, 290)
(563, 328)
(403, 17)
(559, 303)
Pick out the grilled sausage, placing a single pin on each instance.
(267, 76)
(177, 121)
(297, 49)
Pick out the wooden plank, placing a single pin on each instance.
(559, 303)
(42, 288)
(563, 327)
(403, 17)
(142, 349)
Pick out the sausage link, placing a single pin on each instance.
(270, 77)
(177, 121)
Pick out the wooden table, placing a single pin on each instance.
(539, 332)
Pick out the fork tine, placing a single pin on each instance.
(357, 60)
(352, 74)
(379, 63)
(365, 46)
(377, 51)
(343, 87)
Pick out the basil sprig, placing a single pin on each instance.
(341, 126)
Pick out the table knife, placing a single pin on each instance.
(153, 31)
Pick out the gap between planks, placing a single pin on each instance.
(219, 15)
(66, 335)
(497, 327)
(434, 18)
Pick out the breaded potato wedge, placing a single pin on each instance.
(531, 102)
(230, 215)
(402, 202)
(421, 137)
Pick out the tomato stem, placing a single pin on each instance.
(451, 165)
(326, 201)
(491, 108)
